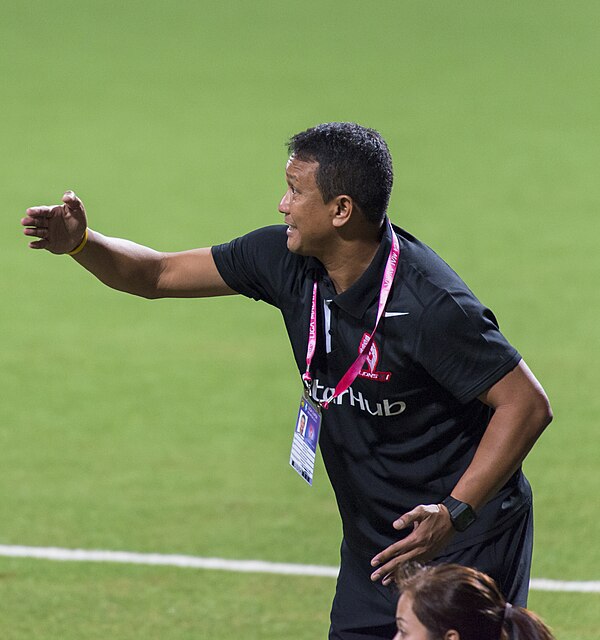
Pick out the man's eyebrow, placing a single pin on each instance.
(291, 176)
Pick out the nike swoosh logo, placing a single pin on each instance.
(391, 314)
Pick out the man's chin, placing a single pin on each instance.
(299, 251)
(294, 247)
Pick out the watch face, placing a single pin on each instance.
(463, 517)
(461, 514)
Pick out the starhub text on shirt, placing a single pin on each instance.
(386, 408)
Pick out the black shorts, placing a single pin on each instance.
(365, 610)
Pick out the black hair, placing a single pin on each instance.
(353, 160)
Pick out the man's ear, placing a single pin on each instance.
(343, 207)
(452, 634)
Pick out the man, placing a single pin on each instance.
(302, 424)
(429, 411)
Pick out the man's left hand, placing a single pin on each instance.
(432, 530)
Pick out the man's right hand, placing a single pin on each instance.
(60, 228)
(122, 264)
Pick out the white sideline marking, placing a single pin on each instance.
(194, 562)
(542, 584)
(239, 566)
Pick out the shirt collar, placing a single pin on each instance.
(357, 299)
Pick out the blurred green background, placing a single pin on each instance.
(165, 426)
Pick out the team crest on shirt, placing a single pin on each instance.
(369, 370)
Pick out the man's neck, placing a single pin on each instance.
(347, 264)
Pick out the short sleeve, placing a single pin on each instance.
(460, 345)
(253, 264)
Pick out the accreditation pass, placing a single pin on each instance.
(306, 438)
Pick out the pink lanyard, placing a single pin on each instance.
(350, 376)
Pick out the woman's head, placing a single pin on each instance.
(451, 602)
(448, 600)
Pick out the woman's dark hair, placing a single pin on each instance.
(353, 160)
(449, 596)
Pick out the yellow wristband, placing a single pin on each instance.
(81, 245)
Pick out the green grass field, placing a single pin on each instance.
(165, 426)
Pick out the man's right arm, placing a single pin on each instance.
(122, 264)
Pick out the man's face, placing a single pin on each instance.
(309, 219)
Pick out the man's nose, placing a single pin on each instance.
(284, 204)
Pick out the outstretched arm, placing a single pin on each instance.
(521, 413)
(122, 264)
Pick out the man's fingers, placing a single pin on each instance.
(385, 572)
(38, 215)
(72, 201)
(416, 516)
(35, 216)
(40, 244)
(403, 522)
(395, 555)
(420, 544)
(393, 551)
(39, 212)
(408, 518)
(40, 232)
(28, 221)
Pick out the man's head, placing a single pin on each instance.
(353, 160)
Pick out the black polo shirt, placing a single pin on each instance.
(409, 425)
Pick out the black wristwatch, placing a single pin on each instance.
(462, 515)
